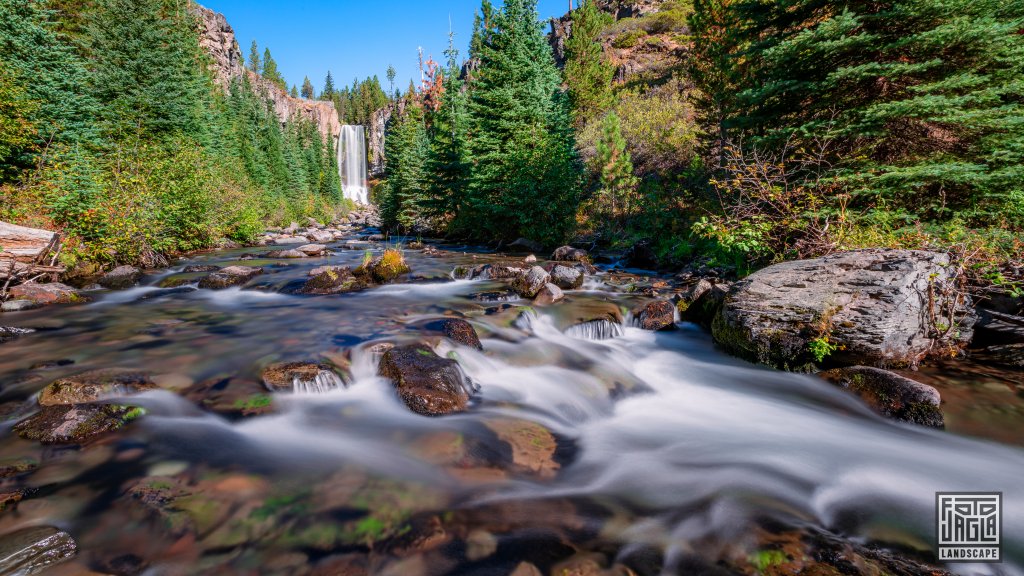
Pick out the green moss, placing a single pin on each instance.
(257, 402)
(131, 413)
(629, 39)
(764, 559)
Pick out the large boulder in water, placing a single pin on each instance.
(566, 278)
(873, 307)
(427, 383)
(549, 294)
(457, 330)
(891, 395)
(530, 283)
(121, 277)
(333, 280)
(570, 254)
(657, 315)
(384, 268)
(230, 276)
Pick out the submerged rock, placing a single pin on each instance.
(8, 333)
(531, 282)
(93, 386)
(384, 268)
(457, 330)
(871, 307)
(333, 280)
(193, 268)
(657, 315)
(33, 550)
(230, 276)
(891, 395)
(121, 277)
(570, 254)
(548, 294)
(75, 424)
(566, 278)
(291, 253)
(52, 293)
(497, 271)
(231, 397)
(428, 384)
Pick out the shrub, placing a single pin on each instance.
(629, 39)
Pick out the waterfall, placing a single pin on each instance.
(595, 330)
(352, 164)
(323, 382)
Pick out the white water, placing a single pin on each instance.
(352, 164)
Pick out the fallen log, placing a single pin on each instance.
(25, 244)
(10, 268)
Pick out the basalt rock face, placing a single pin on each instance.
(217, 38)
(871, 307)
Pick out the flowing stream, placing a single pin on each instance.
(654, 450)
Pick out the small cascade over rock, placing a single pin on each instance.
(324, 381)
(595, 330)
(352, 164)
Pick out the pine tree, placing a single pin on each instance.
(587, 73)
(270, 71)
(17, 131)
(50, 70)
(714, 68)
(618, 183)
(308, 92)
(448, 164)
(255, 62)
(391, 77)
(526, 175)
(406, 148)
(294, 92)
(328, 91)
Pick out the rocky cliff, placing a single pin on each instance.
(217, 38)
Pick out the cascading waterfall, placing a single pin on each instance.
(323, 382)
(352, 164)
(595, 330)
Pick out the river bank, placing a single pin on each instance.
(637, 453)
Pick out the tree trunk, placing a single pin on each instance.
(24, 244)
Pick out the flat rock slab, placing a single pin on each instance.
(33, 550)
(890, 394)
(75, 424)
(95, 385)
(230, 276)
(53, 293)
(877, 307)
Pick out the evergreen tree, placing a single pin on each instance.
(270, 71)
(294, 92)
(255, 62)
(406, 148)
(714, 67)
(328, 91)
(617, 181)
(147, 75)
(526, 175)
(920, 98)
(17, 132)
(587, 74)
(308, 92)
(51, 72)
(448, 164)
(391, 77)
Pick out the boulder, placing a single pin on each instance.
(457, 330)
(94, 385)
(528, 284)
(285, 375)
(121, 277)
(570, 254)
(889, 394)
(75, 424)
(230, 276)
(334, 280)
(428, 384)
(566, 278)
(320, 236)
(384, 268)
(525, 245)
(531, 259)
(704, 308)
(875, 307)
(291, 240)
(8, 333)
(548, 294)
(497, 271)
(691, 294)
(19, 306)
(53, 293)
(33, 550)
(313, 249)
(657, 315)
(194, 268)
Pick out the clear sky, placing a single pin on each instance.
(354, 38)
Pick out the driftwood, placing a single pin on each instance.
(26, 254)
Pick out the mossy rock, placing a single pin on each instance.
(95, 385)
(76, 424)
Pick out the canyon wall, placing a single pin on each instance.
(217, 38)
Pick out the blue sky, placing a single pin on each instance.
(354, 38)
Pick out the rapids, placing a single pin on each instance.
(665, 446)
